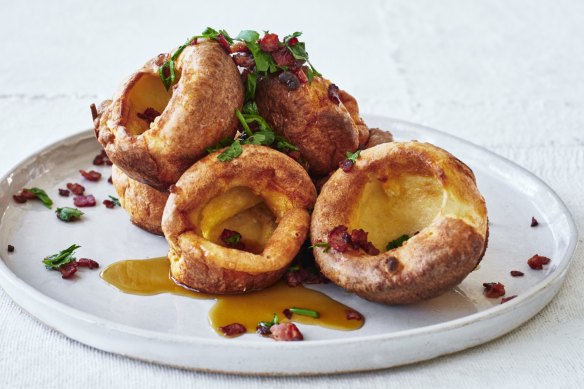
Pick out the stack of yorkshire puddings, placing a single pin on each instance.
(394, 222)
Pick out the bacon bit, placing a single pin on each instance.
(346, 165)
(302, 76)
(333, 94)
(339, 239)
(263, 329)
(84, 201)
(534, 222)
(19, 199)
(91, 175)
(10, 248)
(76, 188)
(494, 289)
(232, 239)
(109, 180)
(537, 261)
(290, 80)
(27, 194)
(239, 47)
(109, 204)
(292, 41)
(149, 114)
(269, 43)
(195, 41)
(93, 109)
(286, 332)
(359, 240)
(223, 42)
(303, 276)
(505, 299)
(287, 313)
(244, 60)
(295, 155)
(353, 315)
(283, 57)
(516, 273)
(64, 192)
(98, 160)
(233, 329)
(68, 270)
(86, 262)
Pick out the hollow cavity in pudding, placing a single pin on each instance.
(147, 92)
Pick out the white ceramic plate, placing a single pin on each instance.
(173, 330)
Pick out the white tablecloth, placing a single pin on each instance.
(507, 75)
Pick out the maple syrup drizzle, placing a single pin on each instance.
(152, 276)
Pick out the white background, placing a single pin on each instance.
(507, 75)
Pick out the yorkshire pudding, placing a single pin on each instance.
(143, 203)
(321, 120)
(263, 196)
(154, 135)
(396, 189)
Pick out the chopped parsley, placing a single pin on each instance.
(397, 242)
(61, 258)
(325, 246)
(42, 196)
(68, 214)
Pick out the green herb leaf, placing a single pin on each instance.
(167, 81)
(283, 145)
(397, 242)
(233, 239)
(222, 143)
(293, 35)
(61, 258)
(248, 36)
(263, 137)
(232, 152)
(42, 196)
(268, 324)
(68, 214)
(325, 246)
(210, 33)
(305, 312)
(251, 108)
(250, 86)
(115, 200)
(353, 156)
(181, 48)
(243, 122)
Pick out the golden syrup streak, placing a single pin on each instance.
(152, 276)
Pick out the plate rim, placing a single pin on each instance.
(7, 276)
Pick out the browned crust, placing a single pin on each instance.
(199, 114)
(143, 203)
(377, 137)
(206, 266)
(321, 129)
(431, 262)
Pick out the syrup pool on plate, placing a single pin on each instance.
(152, 276)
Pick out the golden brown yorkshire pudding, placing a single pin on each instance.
(321, 120)
(154, 135)
(143, 203)
(263, 196)
(396, 189)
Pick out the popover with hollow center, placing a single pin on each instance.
(154, 134)
(235, 226)
(143, 203)
(406, 223)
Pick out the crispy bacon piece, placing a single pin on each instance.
(353, 315)
(10, 248)
(534, 222)
(244, 60)
(516, 273)
(223, 42)
(333, 94)
(109, 180)
(148, 115)
(301, 75)
(109, 204)
(233, 329)
(269, 43)
(505, 299)
(84, 201)
(339, 239)
(23, 196)
(76, 188)
(359, 240)
(239, 47)
(283, 57)
(86, 262)
(19, 199)
(292, 41)
(68, 270)
(286, 332)
(64, 192)
(537, 261)
(346, 165)
(494, 289)
(287, 313)
(91, 175)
